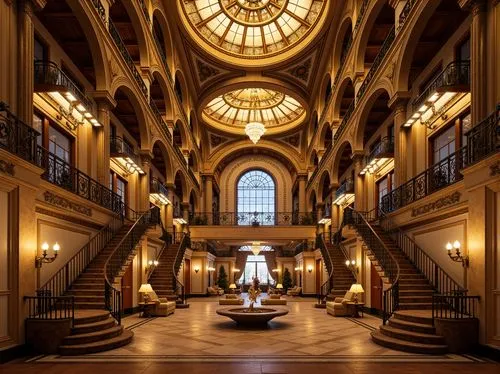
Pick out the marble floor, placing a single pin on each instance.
(306, 335)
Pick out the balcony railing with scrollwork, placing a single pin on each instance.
(145, 10)
(49, 77)
(484, 139)
(361, 15)
(64, 175)
(455, 77)
(405, 12)
(16, 136)
(155, 186)
(120, 148)
(384, 148)
(376, 63)
(345, 120)
(159, 117)
(115, 35)
(253, 219)
(346, 187)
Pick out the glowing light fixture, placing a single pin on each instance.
(180, 221)
(325, 221)
(254, 128)
(44, 258)
(457, 257)
(256, 248)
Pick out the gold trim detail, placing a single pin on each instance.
(436, 205)
(7, 167)
(66, 204)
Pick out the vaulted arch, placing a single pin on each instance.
(342, 160)
(162, 35)
(162, 160)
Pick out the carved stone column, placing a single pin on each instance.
(143, 202)
(401, 137)
(302, 193)
(209, 194)
(185, 211)
(105, 103)
(169, 209)
(359, 185)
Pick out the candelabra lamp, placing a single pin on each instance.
(457, 256)
(45, 258)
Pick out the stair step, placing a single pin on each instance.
(406, 346)
(87, 286)
(412, 326)
(411, 336)
(100, 346)
(90, 316)
(415, 316)
(412, 306)
(86, 292)
(92, 337)
(86, 328)
(89, 305)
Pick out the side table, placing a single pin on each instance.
(356, 308)
(146, 309)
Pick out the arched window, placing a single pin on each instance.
(256, 198)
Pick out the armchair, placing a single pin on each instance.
(338, 307)
(294, 291)
(163, 307)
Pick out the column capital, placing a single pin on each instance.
(357, 157)
(399, 100)
(146, 156)
(104, 99)
(302, 177)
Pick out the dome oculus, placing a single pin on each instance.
(253, 27)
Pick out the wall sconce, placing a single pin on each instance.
(151, 265)
(196, 269)
(351, 265)
(310, 268)
(44, 259)
(210, 268)
(457, 257)
(299, 268)
(276, 270)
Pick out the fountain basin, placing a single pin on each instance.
(259, 317)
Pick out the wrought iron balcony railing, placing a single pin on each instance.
(159, 117)
(16, 136)
(346, 187)
(484, 138)
(345, 120)
(120, 148)
(454, 78)
(253, 219)
(50, 78)
(64, 175)
(383, 149)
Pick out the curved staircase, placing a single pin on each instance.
(94, 331)
(162, 278)
(343, 278)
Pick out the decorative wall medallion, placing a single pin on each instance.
(7, 167)
(216, 140)
(302, 70)
(66, 204)
(437, 205)
(495, 169)
(205, 71)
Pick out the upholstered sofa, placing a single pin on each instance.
(338, 307)
(215, 291)
(294, 291)
(274, 299)
(231, 299)
(163, 307)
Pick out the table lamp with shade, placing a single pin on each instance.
(145, 290)
(232, 287)
(356, 288)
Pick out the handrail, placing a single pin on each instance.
(456, 305)
(253, 218)
(50, 308)
(440, 280)
(384, 256)
(115, 261)
(62, 280)
(328, 284)
(157, 258)
(343, 249)
(176, 266)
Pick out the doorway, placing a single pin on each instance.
(127, 291)
(376, 289)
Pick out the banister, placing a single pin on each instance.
(176, 266)
(328, 284)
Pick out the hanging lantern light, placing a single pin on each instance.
(254, 128)
(256, 247)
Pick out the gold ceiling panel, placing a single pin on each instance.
(253, 28)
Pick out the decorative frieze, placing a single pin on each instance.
(7, 167)
(495, 169)
(437, 205)
(66, 204)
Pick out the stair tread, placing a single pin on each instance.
(97, 324)
(410, 333)
(411, 324)
(126, 334)
(396, 341)
(93, 334)
(83, 315)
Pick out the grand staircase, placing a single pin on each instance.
(162, 278)
(343, 278)
(408, 291)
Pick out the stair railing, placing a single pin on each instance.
(325, 288)
(157, 258)
(440, 280)
(344, 251)
(62, 280)
(180, 290)
(114, 263)
(383, 255)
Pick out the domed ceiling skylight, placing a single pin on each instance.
(252, 28)
(236, 108)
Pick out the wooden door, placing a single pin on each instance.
(127, 291)
(318, 275)
(187, 276)
(376, 289)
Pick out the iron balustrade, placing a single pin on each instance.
(145, 10)
(100, 9)
(360, 220)
(180, 290)
(457, 305)
(327, 260)
(405, 12)
(62, 280)
(119, 148)
(361, 15)
(163, 56)
(50, 308)
(455, 75)
(120, 255)
(16, 136)
(347, 186)
(159, 117)
(49, 76)
(376, 63)
(155, 186)
(439, 279)
(484, 139)
(253, 219)
(440, 175)
(384, 148)
(345, 120)
(62, 174)
(301, 247)
(115, 35)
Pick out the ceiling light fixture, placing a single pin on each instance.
(256, 248)
(254, 128)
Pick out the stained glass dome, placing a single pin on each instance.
(253, 28)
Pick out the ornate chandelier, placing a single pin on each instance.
(254, 128)
(255, 248)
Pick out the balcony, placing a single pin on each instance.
(124, 154)
(17, 137)
(440, 93)
(252, 219)
(158, 193)
(73, 103)
(345, 193)
(381, 154)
